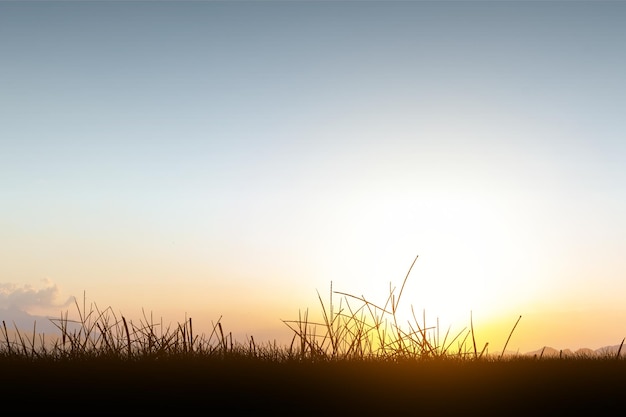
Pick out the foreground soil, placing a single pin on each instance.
(201, 386)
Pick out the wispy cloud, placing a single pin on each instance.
(26, 297)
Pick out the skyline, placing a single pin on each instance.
(214, 159)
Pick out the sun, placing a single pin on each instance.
(468, 249)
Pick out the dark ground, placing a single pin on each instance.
(547, 387)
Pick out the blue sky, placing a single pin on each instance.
(231, 158)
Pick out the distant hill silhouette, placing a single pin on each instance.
(550, 352)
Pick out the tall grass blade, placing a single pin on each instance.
(395, 306)
(127, 337)
(620, 348)
(473, 337)
(509, 338)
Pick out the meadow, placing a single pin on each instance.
(357, 360)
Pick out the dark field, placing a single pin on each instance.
(249, 386)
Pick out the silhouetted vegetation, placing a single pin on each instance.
(357, 360)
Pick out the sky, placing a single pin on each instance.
(229, 160)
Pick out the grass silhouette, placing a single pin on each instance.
(357, 360)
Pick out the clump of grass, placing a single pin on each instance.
(102, 334)
(360, 329)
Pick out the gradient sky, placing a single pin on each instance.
(229, 159)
